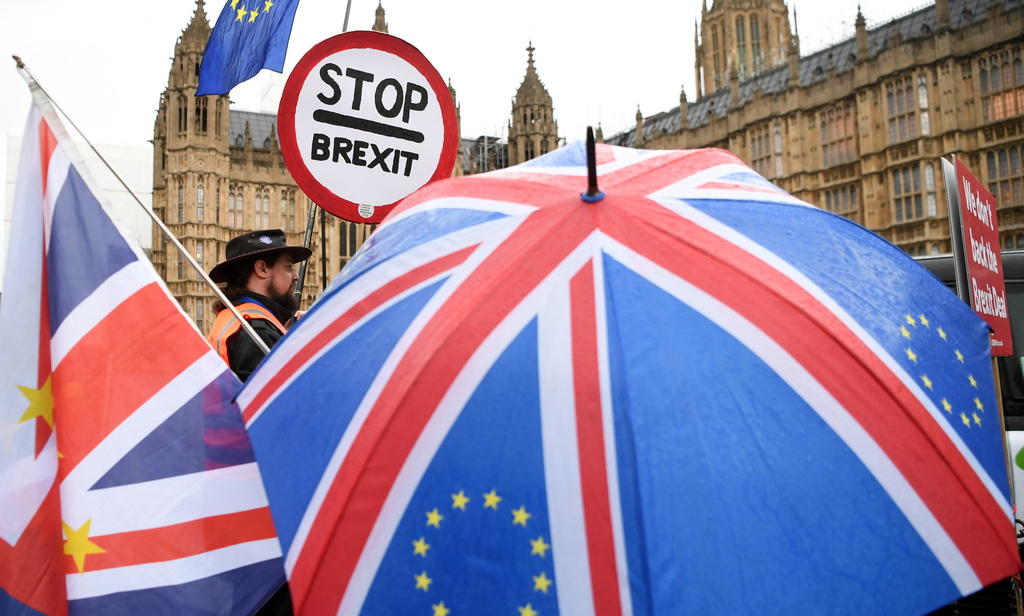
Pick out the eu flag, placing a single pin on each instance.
(250, 35)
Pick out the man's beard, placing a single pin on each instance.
(287, 300)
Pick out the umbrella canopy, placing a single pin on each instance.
(697, 394)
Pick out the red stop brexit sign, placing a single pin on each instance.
(364, 121)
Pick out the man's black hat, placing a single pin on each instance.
(252, 245)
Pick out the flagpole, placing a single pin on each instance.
(34, 85)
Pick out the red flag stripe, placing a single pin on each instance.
(177, 540)
(31, 569)
(604, 577)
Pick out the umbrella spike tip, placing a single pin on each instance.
(593, 194)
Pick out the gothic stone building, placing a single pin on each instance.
(858, 128)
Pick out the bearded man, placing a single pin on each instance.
(258, 274)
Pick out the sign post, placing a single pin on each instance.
(364, 121)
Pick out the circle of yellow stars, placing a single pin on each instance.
(244, 15)
(920, 325)
(490, 500)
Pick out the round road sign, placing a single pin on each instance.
(364, 121)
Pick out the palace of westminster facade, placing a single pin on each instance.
(856, 128)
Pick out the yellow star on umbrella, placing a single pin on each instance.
(538, 546)
(977, 419)
(440, 609)
(959, 355)
(964, 418)
(904, 331)
(491, 499)
(911, 355)
(922, 319)
(459, 500)
(970, 379)
(977, 403)
(910, 320)
(541, 582)
(434, 518)
(942, 333)
(927, 381)
(78, 545)
(520, 516)
(423, 581)
(40, 403)
(420, 547)
(947, 406)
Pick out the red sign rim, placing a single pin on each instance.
(320, 194)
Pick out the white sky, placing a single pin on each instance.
(106, 62)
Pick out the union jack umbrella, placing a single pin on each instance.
(696, 394)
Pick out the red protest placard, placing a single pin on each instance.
(984, 261)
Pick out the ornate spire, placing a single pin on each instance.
(198, 27)
(529, 59)
(532, 89)
(380, 24)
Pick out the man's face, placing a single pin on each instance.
(282, 279)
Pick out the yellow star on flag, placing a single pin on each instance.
(78, 545)
(977, 419)
(922, 319)
(527, 611)
(459, 500)
(520, 516)
(970, 379)
(947, 406)
(977, 403)
(964, 418)
(911, 355)
(434, 518)
(241, 14)
(423, 582)
(253, 14)
(927, 381)
(904, 331)
(959, 355)
(266, 5)
(440, 609)
(538, 546)
(40, 403)
(420, 547)
(491, 499)
(910, 319)
(942, 333)
(541, 582)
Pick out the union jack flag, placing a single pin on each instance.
(698, 394)
(127, 482)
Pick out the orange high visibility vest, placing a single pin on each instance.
(227, 324)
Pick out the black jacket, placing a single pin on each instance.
(243, 354)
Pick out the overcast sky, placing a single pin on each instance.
(106, 61)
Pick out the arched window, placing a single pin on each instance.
(218, 116)
(200, 256)
(741, 45)
(181, 200)
(201, 114)
(716, 51)
(200, 199)
(182, 114)
(755, 40)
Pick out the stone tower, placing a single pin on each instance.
(380, 23)
(750, 36)
(532, 131)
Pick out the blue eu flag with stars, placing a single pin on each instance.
(250, 35)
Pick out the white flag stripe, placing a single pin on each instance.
(569, 549)
(121, 285)
(799, 278)
(440, 204)
(172, 500)
(821, 402)
(153, 412)
(170, 572)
